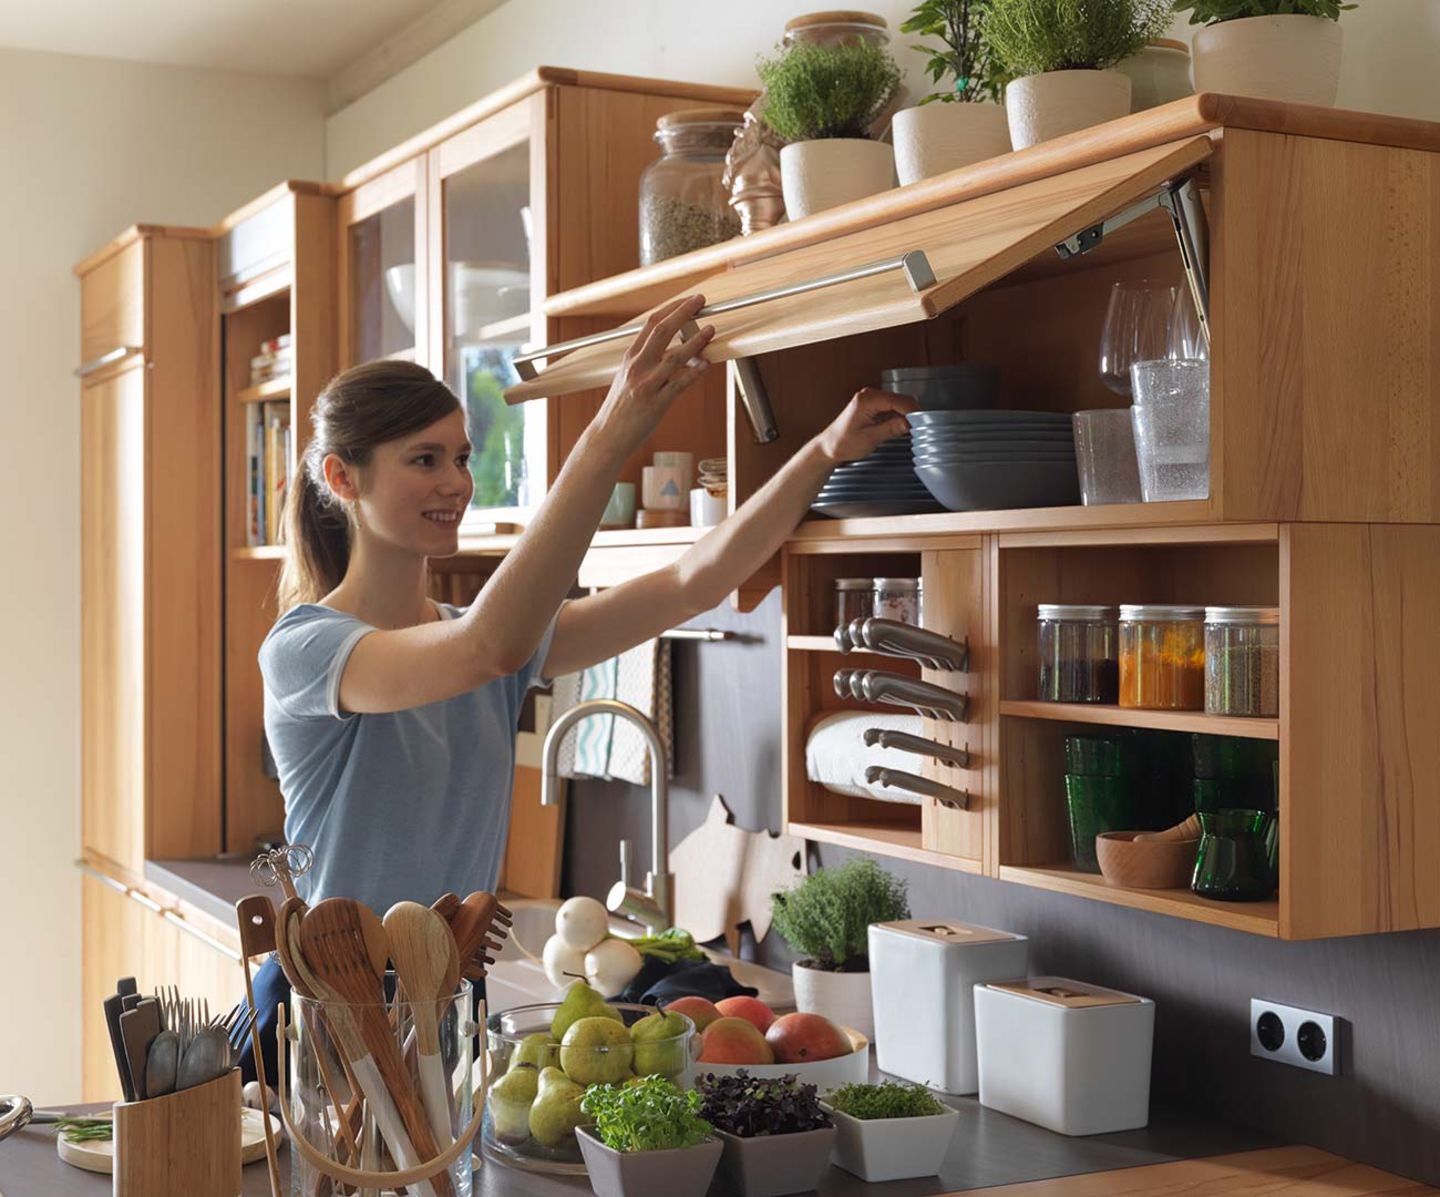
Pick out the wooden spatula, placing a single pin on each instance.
(480, 926)
(428, 967)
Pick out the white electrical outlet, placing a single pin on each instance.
(1289, 1035)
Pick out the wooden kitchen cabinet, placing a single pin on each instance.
(1323, 474)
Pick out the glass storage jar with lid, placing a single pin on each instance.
(854, 599)
(1242, 661)
(1079, 654)
(1162, 657)
(833, 27)
(684, 205)
(900, 599)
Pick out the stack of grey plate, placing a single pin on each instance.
(986, 460)
(882, 484)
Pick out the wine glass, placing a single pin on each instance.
(1187, 338)
(1137, 329)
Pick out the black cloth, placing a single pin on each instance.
(659, 981)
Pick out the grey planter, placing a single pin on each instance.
(682, 1172)
(772, 1165)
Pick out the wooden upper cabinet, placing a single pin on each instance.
(112, 306)
(381, 258)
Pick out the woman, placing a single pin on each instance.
(392, 718)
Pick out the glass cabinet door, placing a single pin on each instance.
(383, 286)
(489, 294)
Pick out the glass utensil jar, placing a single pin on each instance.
(684, 205)
(1242, 661)
(854, 599)
(1162, 657)
(899, 599)
(1232, 863)
(1079, 659)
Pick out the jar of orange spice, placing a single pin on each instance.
(1162, 657)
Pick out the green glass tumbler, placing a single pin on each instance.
(1096, 804)
(1232, 863)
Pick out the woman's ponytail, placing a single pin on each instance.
(359, 409)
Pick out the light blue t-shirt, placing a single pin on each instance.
(404, 805)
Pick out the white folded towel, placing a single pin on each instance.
(836, 754)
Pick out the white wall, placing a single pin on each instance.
(89, 146)
(1389, 66)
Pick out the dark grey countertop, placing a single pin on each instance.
(989, 1149)
(213, 886)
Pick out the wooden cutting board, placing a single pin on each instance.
(100, 1156)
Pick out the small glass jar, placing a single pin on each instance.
(899, 599)
(1162, 657)
(854, 599)
(834, 28)
(1242, 661)
(684, 205)
(1079, 658)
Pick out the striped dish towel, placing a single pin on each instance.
(602, 745)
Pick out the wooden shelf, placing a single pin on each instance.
(1257, 918)
(276, 388)
(1113, 716)
(882, 839)
(264, 552)
(616, 538)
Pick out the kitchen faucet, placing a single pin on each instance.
(654, 907)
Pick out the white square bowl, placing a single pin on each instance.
(876, 1149)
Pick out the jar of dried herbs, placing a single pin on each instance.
(1162, 657)
(1078, 653)
(1242, 661)
(684, 205)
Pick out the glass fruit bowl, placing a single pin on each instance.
(536, 1082)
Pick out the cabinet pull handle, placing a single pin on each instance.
(145, 900)
(915, 265)
(179, 920)
(118, 354)
(103, 878)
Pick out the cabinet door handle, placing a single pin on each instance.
(145, 900)
(179, 920)
(118, 354)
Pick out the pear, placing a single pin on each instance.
(510, 1100)
(597, 1051)
(580, 1002)
(659, 1044)
(536, 1051)
(556, 1112)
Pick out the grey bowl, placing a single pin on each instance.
(992, 438)
(964, 386)
(980, 486)
(859, 509)
(932, 419)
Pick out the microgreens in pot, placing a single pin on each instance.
(747, 1106)
(649, 1114)
(887, 1100)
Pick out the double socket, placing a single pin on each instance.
(1289, 1035)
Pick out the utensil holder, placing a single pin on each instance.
(186, 1142)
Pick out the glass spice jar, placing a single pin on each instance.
(1242, 661)
(684, 205)
(854, 599)
(1162, 657)
(834, 28)
(1079, 659)
(899, 599)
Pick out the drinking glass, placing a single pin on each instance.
(1172, 428)
(1187, 338)
(1105, 456)
(1137, 329)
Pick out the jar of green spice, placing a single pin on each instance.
(684, 205)
(1242, 661)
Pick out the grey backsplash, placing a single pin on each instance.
(1384, 1109)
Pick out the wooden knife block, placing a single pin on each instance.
(187, 1142)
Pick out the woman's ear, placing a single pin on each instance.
(340, 478)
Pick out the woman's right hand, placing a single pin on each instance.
(652, 373)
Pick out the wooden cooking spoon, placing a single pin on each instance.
(445, 906)
(428, 966)
(345, 947)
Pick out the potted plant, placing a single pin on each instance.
(1058, 54)
(821, 100)
(826, 919)
(777, 1138)
(648, 1140)
(890, 1131)
(1274, 49)
(965, 122)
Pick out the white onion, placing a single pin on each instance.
(612, 965)
(582, 923)
(559, 959)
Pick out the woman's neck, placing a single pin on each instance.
(384, 586)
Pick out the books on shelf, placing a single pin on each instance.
(267, 460)
(275, 360)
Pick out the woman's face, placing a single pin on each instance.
(415, 490)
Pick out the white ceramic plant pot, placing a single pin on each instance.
(934, 138)
(843, 998)
(1292, 57)
(1058, 102)
(815, 175)
(881, 1149)
(1158, 74)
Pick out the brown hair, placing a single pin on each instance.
(359, 409)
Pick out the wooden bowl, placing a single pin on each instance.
(1128, 863)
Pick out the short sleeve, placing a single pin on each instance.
(303, 659)
(531, 673)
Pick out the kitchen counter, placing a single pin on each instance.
(211, 886)
(992, 1154)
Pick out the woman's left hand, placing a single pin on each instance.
(869, 419)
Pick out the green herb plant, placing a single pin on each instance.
(646, 1115)
(826, 918)
(888, 1100)
(1212, 12)
(1032, 37)
(815, 92)
(86, 1130)
(966, 60)
(748, 1107)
